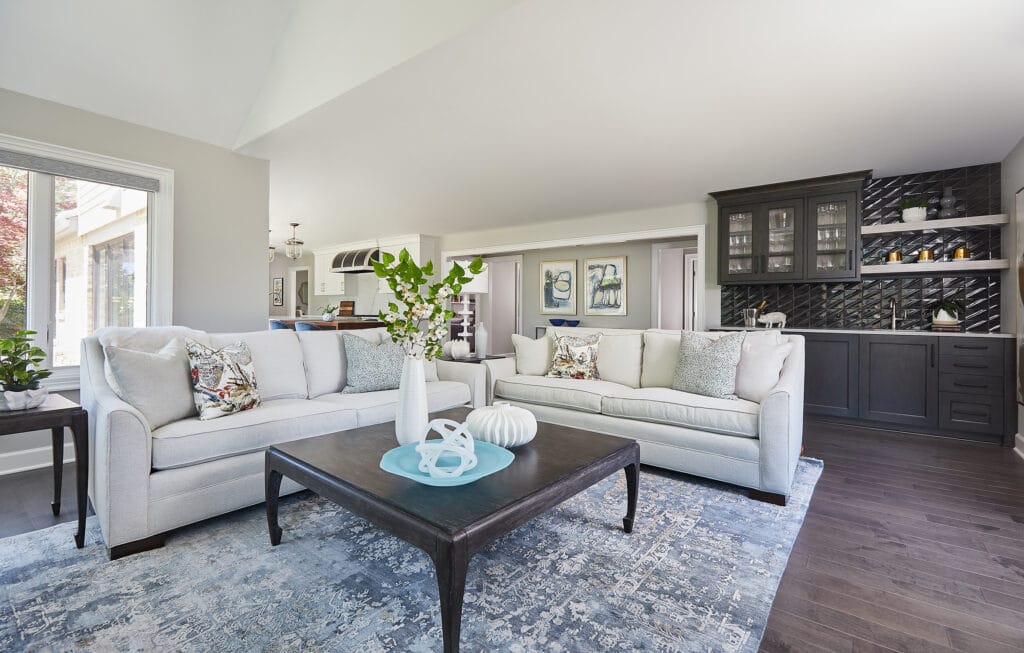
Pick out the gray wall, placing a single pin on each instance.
(638, 285)
(1011, 182)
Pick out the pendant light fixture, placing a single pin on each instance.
(271, 251)
(293, 246)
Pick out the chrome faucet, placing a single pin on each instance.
(892, 309)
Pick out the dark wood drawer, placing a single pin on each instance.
(971, 355)
(970, 413)
(971, 384)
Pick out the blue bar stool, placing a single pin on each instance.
(277, 324)
(306, 326)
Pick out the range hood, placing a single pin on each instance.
(357, 261)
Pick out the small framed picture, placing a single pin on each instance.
(606, 286)
(277, 291)
(558, 287)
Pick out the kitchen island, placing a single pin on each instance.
(339, 323)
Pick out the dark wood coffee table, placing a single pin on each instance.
(451, 523)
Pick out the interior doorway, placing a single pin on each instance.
(500, 308)
(674, 268)
(296, 291)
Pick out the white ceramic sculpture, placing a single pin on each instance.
(23, 400)
(455, 442)
(502, 424)
(770, 320)
(460, 349)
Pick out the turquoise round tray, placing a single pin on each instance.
(404, 461)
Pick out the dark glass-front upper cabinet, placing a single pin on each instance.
(805, 230)
(832, 237)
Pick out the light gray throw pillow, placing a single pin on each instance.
(156, 384)
(371, 367)
(707, 365)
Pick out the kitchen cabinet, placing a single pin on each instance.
(325, 282)
(806, 230)
(831, 378)
(899, 379)
(421, 248)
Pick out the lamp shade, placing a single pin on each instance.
(479, 283)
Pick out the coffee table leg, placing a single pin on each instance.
(632, 485)
(80, 434)
(273, 494)
(57, 439)
(452, 563)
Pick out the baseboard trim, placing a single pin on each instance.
(29, 459)
(1020, 445)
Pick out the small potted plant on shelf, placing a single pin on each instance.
(327, 312)
(915, 209)
(20, 373)
(947, 313)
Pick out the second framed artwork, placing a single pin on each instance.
(605, 286)
(558, 287)
(277, 291)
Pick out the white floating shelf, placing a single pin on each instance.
(934, 268)
(935, 225)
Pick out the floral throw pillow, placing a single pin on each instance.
(575, 357)
(223, 380)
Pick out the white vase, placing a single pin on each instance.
(481, 336)
(22, 400)
(411, 412)
(502, 424)
(915, 214)
(460, 349)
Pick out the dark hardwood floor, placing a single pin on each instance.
(911, 543)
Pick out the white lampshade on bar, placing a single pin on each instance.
(478, 284)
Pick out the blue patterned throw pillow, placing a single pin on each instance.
(707, 366)
(372, 367)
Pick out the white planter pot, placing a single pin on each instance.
(942, 317)
(411, 413)
(482, 339)
(915, 214)
(327, 317)
(502, 424)
(459, 349)
(23, 400)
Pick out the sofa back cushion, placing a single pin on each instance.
(533, 357)
(661, 350)
(619, 355)
(761, 360)
(277, 357)
(148, 340)
(157, 384)
(323, 355)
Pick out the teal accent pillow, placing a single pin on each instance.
(371, 367)
(707, 366)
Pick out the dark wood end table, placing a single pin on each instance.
(56, 413)
(450, 523)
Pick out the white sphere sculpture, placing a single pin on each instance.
(502, 424)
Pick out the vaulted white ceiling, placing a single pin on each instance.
(388, 116)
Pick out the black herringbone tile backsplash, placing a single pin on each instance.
(865, 304)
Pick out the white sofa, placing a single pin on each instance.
(755, 445)
(144, 482)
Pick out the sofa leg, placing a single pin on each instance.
(138, 546)
(768, 497)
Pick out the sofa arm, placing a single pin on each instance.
(782, 423)
(497, 369)
(120, 454)
(472, 374)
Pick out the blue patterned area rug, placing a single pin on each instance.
(698, 573)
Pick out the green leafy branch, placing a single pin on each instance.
(420, 322)
(19, 363)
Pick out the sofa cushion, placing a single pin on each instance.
(707, 364)
(157, 384)
(192, 441)
(378, 407)
(761, 359)
(533, 357)
(619, 356)
(577, 394)
(666, 406)
(661, 351)
(323, 356)
(146, 339)
(575, 357)
(223, 380)
(278, 360)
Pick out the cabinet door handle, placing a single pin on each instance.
(959, 384)
(931, 353)
(969, 366)
(969, 413)
(955, 346)
(764, 263)
(849, 260)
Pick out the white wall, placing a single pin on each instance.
(220, 202)
(1011, 182)
(677, 215)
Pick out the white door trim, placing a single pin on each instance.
(289, 282)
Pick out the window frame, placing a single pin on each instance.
(41, 305)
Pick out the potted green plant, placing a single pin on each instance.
(327, 312)
(20, 373)
(947, 312)
(915, 209)
(419, 324)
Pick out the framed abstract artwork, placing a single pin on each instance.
(558, 287)
(605, 285)
(277, 291)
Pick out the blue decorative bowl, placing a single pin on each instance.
(405, 461)
(557, 321)
(572, 323)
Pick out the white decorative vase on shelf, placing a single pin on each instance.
(327, 317)
(481, 336)
(22, 399)
(915, 214)
(411, 413)
(502, 424)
